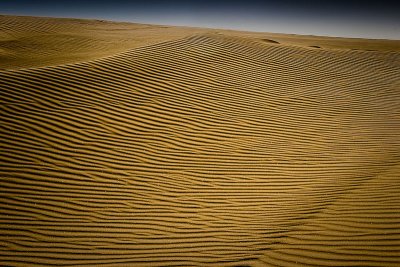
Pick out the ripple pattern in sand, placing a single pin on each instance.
(206, 151)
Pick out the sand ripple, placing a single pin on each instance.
(210, 150)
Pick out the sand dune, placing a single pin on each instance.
(198, 148)
(32, 42)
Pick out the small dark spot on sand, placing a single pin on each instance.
(270, 41)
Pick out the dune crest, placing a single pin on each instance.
(206, 150)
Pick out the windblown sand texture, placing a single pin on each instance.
(139, 145)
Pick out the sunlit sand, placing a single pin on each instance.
(141, 145)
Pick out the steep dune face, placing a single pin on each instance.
(209, 150)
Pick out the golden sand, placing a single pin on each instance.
(140, 145)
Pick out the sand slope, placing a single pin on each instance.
(37, 42)
(206, 150)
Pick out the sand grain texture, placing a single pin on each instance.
(201, 149)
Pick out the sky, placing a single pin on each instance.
(364, 19)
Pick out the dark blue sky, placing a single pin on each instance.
(377, 19)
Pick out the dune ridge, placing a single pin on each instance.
(206, 150)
